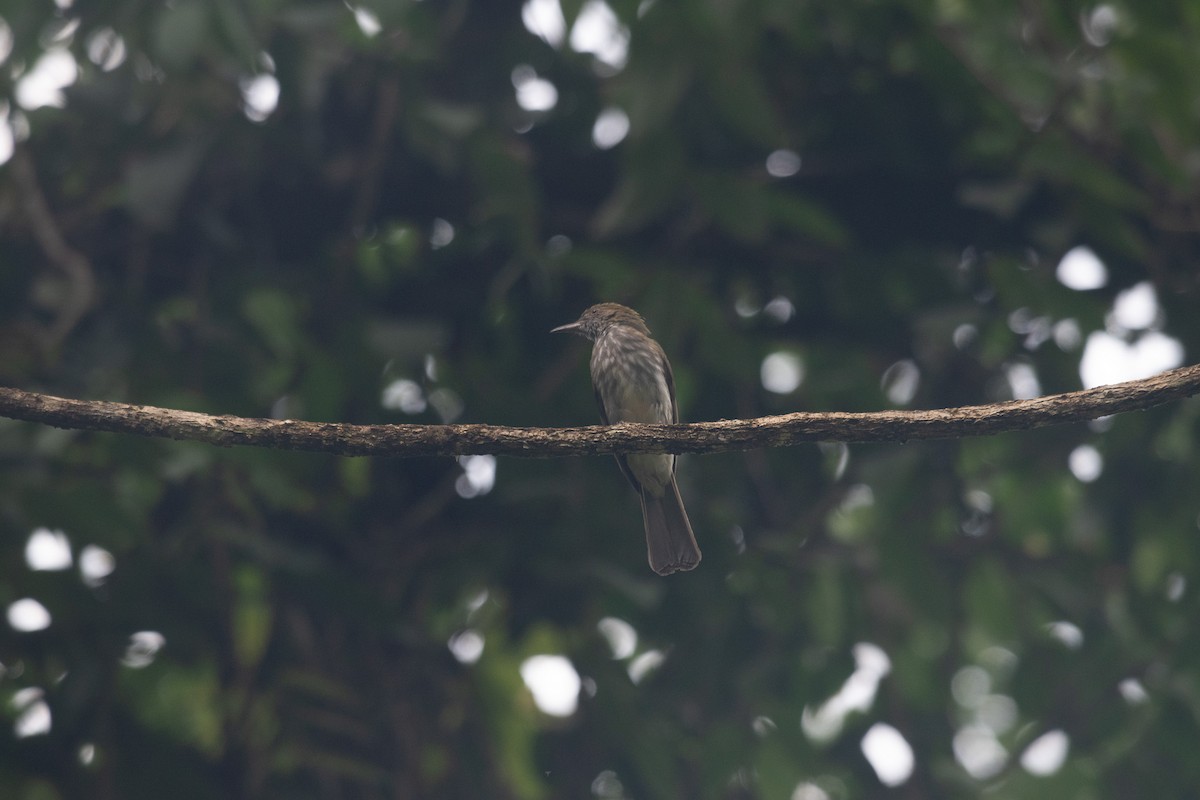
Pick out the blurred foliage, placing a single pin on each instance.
(392, 241)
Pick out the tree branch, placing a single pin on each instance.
(78, 283)
(700, 437)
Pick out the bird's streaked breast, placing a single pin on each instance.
(627, 371)
(629, 375)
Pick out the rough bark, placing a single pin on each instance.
(700, 437)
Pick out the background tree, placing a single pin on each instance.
(375, 214)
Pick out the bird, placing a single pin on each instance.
(633, 382)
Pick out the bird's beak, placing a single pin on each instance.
(573, 326)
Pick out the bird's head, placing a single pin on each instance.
(593, 322)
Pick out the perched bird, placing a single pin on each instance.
(633, 383)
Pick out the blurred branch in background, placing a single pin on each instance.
(703, 437)
(71, 292)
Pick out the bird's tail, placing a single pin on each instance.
(670, 543)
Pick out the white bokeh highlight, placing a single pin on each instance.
(1133, 691)
(888, 753)
(553, 682)
(978, 751)
(7, 139)
(106, 49)
(466, 646)
(645, 664)
(6, 41)
(33, 714)
(367, 22)
(1110, 359)
(478, 478)
(1100, 25)
(1085, 463)
(1067, 335)
(1023, 381)
(43, 85)
(621, 637)
(95, 564)
(779, 309)
(260, 96)
(783, 163)
(48, 550)
(544, 19)
(142, 649)
(611, 128)
(533, 93)
(598, 31)
(28, 615)
(1081, 269)
(809, 791)
(900, 382)
(404, 395)
(1135, 308)
(1068, 633)
(782, 372)
(441, 234)
(825, 722)
(1046, 754)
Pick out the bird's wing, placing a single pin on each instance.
(621, 462)
(670, 378)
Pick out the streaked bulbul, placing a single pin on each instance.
(633, 383)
